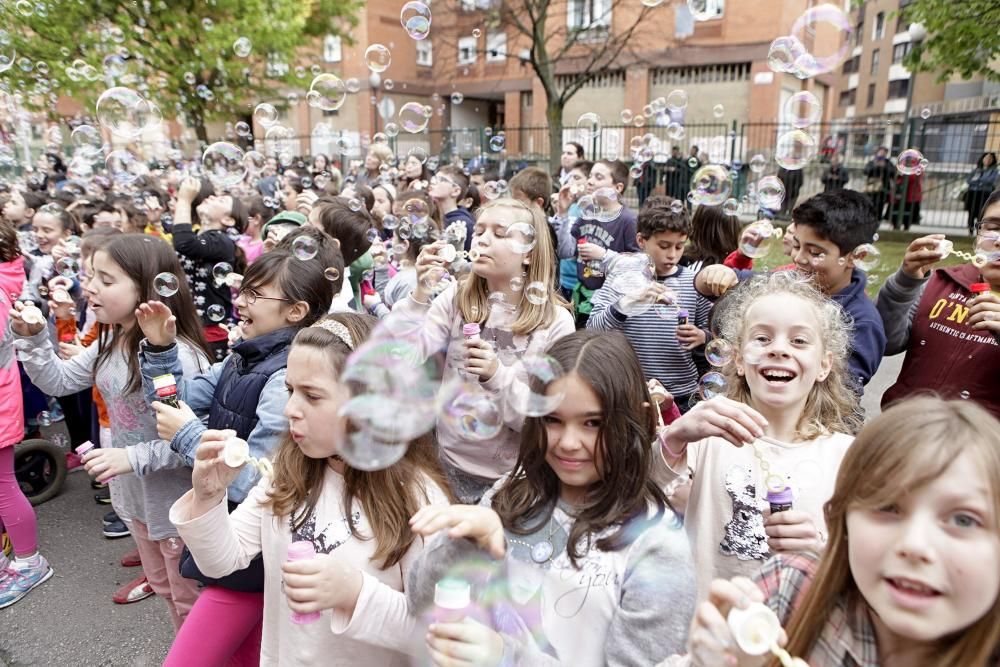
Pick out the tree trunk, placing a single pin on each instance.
(553, 114)
(200, 130)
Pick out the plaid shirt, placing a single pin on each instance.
(847, 639)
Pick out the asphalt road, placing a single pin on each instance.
(71, 620)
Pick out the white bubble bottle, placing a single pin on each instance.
(451, 600)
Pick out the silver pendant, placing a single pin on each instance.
(542, 552)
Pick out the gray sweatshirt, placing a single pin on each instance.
(897, 303)
(627, 607)
(147, 498)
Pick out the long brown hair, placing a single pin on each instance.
(831, 407)
(626, 492)
(473, 293)
(713, 235)
(10, 248)
(388, 497)
(904, 448)
(142, 257)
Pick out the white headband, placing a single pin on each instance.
(338, 330)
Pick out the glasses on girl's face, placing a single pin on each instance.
(251, 295)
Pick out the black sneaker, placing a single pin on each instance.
(103, 497)
(110, 518)
(116, 529)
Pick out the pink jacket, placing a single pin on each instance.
(11, 403)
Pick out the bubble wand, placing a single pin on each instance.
(237, 453)
(756, 630)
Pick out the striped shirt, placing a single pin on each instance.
(654, 338)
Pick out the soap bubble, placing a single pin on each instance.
(634, 289)
(125, 112)
(758, 163)
(711, 185)
(216, 312)
(908, 162)
(528, 397)
(87, 138)
(795, 149)
(945, 248)
(416, 20)
(490, 190)
(809, 24)
(417, 211)
(123, 167)
(757, 238)
(731, 207)
(627, 116)
(588, 125)
(536, 293)
(925, 113)
(606, 203)
(305, 247)
(265, 114)
(703, 10)
(67, 267)
(327, 92)
(718, 352)
(457, 98)
(803, 109)
(166, 284)
(242, 47)
(783, 54)
(332, 274)
(243, 129)
(377, 58)
(712, 384)
(521, 236)
(866, 257)
(220, 271)
(770, 192)
(718, 111)
(497, 143)
(224, 164)
(469, 410)
(677, 100)
(413, 117)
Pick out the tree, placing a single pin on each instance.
(569, 43)
(179, 54)
(961, 38)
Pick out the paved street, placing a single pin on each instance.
(70, 620)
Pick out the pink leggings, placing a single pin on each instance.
(223, 628)
(16, 514)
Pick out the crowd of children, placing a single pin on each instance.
(601, 436)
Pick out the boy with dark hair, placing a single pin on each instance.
(532, 184)
(448, 187)
(637, 308)
(566, 215)
(828, 229)
(610, 231)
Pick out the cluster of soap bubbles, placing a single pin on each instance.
(416, 20)
(126, 113)
(327, 92)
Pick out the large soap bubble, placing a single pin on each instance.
(812, 27)
(125, 112)
(224, 164)
(711, 185)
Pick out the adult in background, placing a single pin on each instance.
(878, 173)
(572, 152)
(792, 179)
(836, 176)
(982, 181)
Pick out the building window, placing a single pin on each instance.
(425, 53)
(859, 31)
(899, 52)
(848, 97)
(874, 68)
(527, 99)
(871, 94)
(475, 5)
(852, 65)
(588, 14)
(879, 30)
(898, 88)
(331, 49)
(496, 47)
(467, 50)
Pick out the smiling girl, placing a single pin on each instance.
(909, 577)
(579, 531)
(123, 273)
(511, 246)
(355, 520)
(784, 425)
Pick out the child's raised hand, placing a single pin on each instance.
(26, 319)
(712, 642)
(107, 462)
(323, 582)
(480, 359)
(715, 280)
(464, 644)
(305, 200)
(479, 524)
(792, 531)
(188, 190)
(211, 476)
(921, 256)
(721, 417)
(158, 325)
(169, 419)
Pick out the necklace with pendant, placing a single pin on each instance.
(541, 552)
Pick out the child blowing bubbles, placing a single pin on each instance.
(909, 577)
(787, 398)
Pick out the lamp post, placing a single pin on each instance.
(917, 34)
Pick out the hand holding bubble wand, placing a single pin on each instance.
(236, 454)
